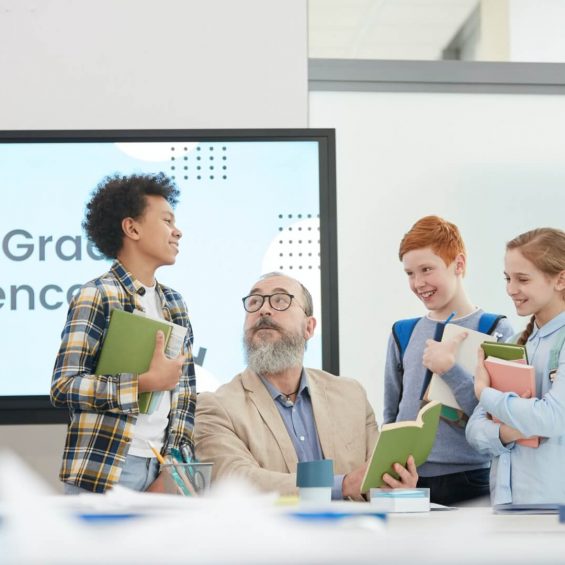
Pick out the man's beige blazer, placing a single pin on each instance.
(240, 430)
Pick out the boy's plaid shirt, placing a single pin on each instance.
(103, 408)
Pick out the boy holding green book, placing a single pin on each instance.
(130, 219)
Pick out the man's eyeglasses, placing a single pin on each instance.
(280, 301)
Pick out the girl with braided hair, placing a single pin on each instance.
(535, 281)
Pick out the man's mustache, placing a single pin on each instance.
(265, 323)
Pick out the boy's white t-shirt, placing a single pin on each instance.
(151, 427)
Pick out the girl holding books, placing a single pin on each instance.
(535, 281)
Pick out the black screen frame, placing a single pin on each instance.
(37, 409)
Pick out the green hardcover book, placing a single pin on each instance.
(399, 440)
(507, 351)
(128, 348)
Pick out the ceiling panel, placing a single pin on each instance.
(384, 29)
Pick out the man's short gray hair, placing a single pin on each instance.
(308, 302)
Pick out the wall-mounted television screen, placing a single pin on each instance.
(251, 202)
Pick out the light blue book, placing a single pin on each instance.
(400, 500)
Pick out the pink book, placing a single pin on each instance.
(512, 376)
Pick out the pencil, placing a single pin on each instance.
(450, 317)
(183, 477)
(156, 453)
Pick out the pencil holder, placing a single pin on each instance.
(187, 479)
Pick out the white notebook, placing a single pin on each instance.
(466, 358)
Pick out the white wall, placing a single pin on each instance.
(492, 163)
(117, 64)
(145, 64)
(520, 31)
(536, 30)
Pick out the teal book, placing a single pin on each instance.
(128, 348)
(398, 440)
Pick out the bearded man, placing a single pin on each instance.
(276, 413)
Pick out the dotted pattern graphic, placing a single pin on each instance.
(207, 162)
(298, 243)
(295, 251)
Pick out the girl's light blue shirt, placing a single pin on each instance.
(519, 474)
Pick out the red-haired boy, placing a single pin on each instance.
(434, 259)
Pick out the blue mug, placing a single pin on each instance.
(311, 474)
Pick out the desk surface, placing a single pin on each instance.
(253, 530)
(478, 535)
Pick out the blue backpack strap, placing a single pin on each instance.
(402, 331)
(488, 322)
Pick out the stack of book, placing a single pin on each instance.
(128, 348)
(400, 500)
(509, 371)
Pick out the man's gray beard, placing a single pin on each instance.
(271, 357)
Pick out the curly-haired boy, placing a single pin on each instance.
(130, 219)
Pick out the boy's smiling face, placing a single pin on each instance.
(158, 236)
(432, 281)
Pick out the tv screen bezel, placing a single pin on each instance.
(31, 409)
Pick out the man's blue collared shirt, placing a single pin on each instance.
(298, 418)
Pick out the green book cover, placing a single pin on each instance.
(399, 440)
(128, 347)
(507, 351)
